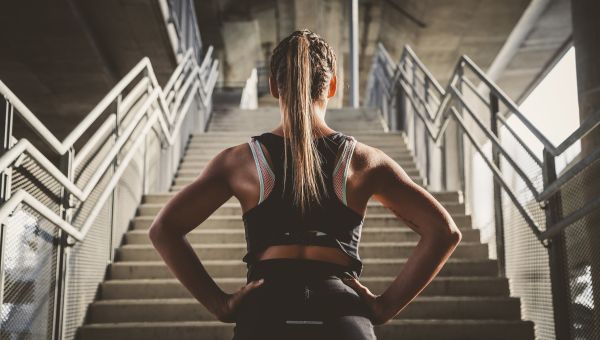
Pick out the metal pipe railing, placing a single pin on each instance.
(436, 123)
(409, 83)
(141, 106)
(168, 122)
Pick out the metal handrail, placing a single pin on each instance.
(436, 123)
(150, 108)
(169, 121)
(182, 15)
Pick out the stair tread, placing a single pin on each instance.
(237, 245)
(365, 261)
(373, 215)
(194, 301)
(242, 231)
(363, 278)
(431, 322)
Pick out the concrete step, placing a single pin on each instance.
(236, 222)
(172, 288)
(190, 171)
(182, 180)
(196, 164)
(232, 251)
(447, 307)
(162, 197)
(213, 143)
(243, 134)
(236, 268)
(212, 150)
(416, 180)
(151, 209)
(212, 137)
(373, 234)
(410, 329)
(405, 161)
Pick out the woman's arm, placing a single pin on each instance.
(426, 216)
(188, 208)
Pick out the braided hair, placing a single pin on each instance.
(302, 66)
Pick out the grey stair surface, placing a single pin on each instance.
(141, 298)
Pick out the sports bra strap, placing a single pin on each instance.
(340, 173)
(266, 176)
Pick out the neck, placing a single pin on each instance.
(319, 110)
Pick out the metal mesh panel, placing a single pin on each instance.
(29, 257)
(88, 260)
(527, 260)
(528, 269)
(38, 183)
(28, 248)
(583, 254)
(86, 264)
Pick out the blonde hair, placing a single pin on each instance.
(302, 65)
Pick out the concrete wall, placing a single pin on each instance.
(242, 50)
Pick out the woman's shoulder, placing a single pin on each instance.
(365, 156)
(232, 159)
(369, 162)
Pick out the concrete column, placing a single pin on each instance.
(586, 35)
(243, 50)
(333, 12)
(353, 38)
(285, 18)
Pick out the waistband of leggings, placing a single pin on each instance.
(295, 269)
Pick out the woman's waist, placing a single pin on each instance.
(327, 253)
(296, 269)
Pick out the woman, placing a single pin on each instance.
(312, 185)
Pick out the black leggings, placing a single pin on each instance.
(301, 299)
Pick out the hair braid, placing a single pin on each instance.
(302, 65)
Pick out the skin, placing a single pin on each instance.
(372, 173)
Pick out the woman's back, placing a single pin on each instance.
(275, 220)
(304, 237)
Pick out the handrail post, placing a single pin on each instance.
(444, 168)
(400, 124)
(66, 166)
(557, 255)
(114, 204)
(414, 125)
(426, 180)
(498, 213)
(460, 143)
(7, 112)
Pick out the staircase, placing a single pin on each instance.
(140, 299)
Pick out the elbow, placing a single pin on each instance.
(155, 231)
(452, 234)
(448, 237)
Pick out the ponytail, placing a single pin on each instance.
(302, 65)
(298, 125)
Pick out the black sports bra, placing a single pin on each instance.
(275, 221)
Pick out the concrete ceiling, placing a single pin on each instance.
(245, 32)
(62, 57)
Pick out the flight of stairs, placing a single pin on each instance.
(141, 299)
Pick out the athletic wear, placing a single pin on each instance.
(302, 299)
(275, 220)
